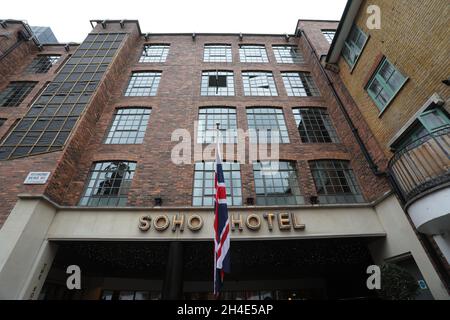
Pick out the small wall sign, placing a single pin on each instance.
(37, 178)
(422, 285)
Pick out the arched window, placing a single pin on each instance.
(108, 184)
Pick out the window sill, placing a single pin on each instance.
(321, 143)
(211, 96)
(123, 144)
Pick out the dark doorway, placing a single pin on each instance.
(281, 269)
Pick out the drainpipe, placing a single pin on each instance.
(23, 36)
(362, 146)
(427, 244)
(11, 49)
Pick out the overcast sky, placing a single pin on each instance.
(69, 20)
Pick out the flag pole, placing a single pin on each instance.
(217, 132)
(221, 223)
(216, 292)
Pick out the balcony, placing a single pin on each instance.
(421, 171)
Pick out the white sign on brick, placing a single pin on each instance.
(37, 178)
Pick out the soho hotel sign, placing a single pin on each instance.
(194, 222)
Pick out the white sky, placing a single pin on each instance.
(69, 20)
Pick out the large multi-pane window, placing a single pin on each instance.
(208, 118)
(259, 84)
(36, 134)
(288, 54)
(329, 35)
(385, 84)
(253, 53)
(354, 45)
(143, 84)
(42, 63)
(335, 182)
(49, 121)
(108, 184)
(265, 124)
(203, 194)
(154, 53)
(314, 125)
(276, 183)
(15, 93)
(217, 53)
(299, 84)
(129, 126)
(217, 83)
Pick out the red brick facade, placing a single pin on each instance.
(176, 106)
(12, 68)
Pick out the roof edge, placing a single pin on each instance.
(116, 21)
(220, 34)
(317, 20)
(348, 16)
(27, 28)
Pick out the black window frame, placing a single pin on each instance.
(63, 99)
(263, 120)
(259, 90)
(329, 34)
(129, 125)
(42, 63)
(335, 182)
(300, 84)
(207, 119)
(15, 93)
(246, 56)
(208, 78)
(162, 49)
(281, 57)
(314, 125)
(264, 183)
(143, 84)
(210, 48)
(233, 185)
(114, 194)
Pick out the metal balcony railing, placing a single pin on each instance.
(422, 165)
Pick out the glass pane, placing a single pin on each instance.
(434, 120)
(107, 295)
(126, 295)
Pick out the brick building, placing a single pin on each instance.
(88, 178)
(401, 88)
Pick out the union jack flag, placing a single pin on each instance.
(221, 226)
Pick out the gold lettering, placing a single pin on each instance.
(195, 222)
(269, 217)
(178, 222)
(284, 221)
(253, 222)
(144, 223)
(161, 227)
(239, 222)
(296, 223)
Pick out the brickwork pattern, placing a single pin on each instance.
(414, 37)
(176, 106)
